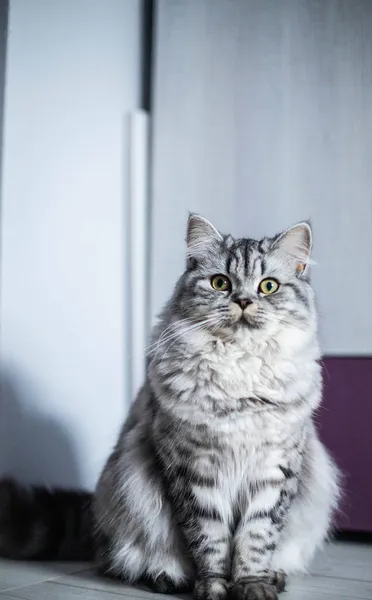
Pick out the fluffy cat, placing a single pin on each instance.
(218, 480)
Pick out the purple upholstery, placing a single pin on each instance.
(345, 426)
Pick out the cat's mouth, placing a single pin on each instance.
(247, 318)
(249, 322)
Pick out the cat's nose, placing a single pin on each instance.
(243, 302)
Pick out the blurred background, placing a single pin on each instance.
(117, 118)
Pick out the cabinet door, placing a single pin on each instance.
(72, 76)
(263, 117)
(345, 424)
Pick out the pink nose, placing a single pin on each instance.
(243, 302)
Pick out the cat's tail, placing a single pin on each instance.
(37, 523)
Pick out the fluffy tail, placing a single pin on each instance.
(36, 523)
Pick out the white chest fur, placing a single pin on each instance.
(232, 370)
(204, 377)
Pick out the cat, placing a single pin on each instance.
(218, 481)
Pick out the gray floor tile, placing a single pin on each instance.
(309, 595)
(88, 579)
(342, 588)
(15, 574)
(345, 561)
(52, 590)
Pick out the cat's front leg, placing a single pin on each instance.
(209, 542)
(200, 512)
(257, 537)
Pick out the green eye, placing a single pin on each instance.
(220, 283)
(268, 286)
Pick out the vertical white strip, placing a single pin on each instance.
(138, 236)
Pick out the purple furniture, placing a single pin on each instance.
(345, 426)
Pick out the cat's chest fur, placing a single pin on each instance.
(218, 382)
(223, 385)
(226, 372)
(219, 389)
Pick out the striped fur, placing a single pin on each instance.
(218, 480)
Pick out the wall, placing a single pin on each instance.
(3, 28)
(262, 118)
(73, 73)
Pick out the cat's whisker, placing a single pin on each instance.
(168, 330)
(175, 323)
(198, 327)
(182, 331)
(164, 338)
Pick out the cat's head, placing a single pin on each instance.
(235, 284)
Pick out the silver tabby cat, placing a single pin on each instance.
(219, 480)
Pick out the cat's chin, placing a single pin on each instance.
(249, 322)
(239, 325)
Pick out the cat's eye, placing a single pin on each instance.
(268, 286)
(221, 283)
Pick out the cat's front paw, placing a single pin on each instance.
(163, 584)
(277, 578)
(211, 588)
(254, 590)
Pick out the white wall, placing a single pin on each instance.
(73, 73)
(263, 116)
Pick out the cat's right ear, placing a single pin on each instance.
(202, 237)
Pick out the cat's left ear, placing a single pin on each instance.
(202, 237)
(295, 245)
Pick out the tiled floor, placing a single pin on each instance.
(343, 570)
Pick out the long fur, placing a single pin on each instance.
(218, 478)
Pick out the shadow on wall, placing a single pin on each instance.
(33, 447)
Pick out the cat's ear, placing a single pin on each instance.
(295, 245)
(201, 236)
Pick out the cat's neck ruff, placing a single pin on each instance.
(273, 339)
(206, 378)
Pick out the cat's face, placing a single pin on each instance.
(236, 284)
